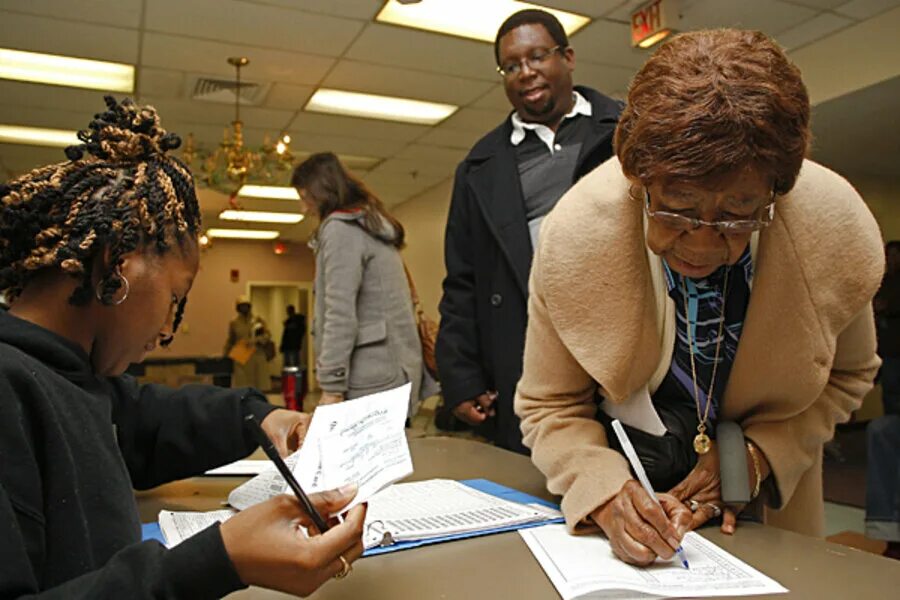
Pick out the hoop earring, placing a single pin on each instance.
(126, 285)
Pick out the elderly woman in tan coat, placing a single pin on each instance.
(709, 273)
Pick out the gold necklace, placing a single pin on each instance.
(701, 440)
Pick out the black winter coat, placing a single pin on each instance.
(487, 251)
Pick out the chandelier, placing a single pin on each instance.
(232, 164)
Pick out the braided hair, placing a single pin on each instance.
(118, 192)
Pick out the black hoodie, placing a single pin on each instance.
(72, 447)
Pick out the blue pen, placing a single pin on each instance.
(638, 469)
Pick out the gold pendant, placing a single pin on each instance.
(701, 443)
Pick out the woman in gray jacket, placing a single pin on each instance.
(365, 335)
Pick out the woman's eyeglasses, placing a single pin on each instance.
(534, 60)
(724, 226)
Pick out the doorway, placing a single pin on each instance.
(270, 301)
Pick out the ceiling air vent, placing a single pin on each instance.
(207, 89)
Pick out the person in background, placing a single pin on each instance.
(365, 336)
(709, 273)
(503, 189)
(247, 338)
(883, 433)
(292, 337)
(97, 257)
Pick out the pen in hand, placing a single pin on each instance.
(638, 469)
(269, 448)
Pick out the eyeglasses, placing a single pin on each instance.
(534, 60)
(725, 226)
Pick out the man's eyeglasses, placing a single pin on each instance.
(534, 60)
(725, 226)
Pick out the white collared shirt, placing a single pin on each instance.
(547, 135)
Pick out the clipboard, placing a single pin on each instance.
(241, 352)
(488, 487)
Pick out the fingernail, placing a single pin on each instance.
(673, 542)
(348, 489)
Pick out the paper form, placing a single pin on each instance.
(242, 467)
(178, 526)
(358, 441)
(440, 507)
(585, 567)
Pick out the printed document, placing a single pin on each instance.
(359, 441)
(438, 508)
(585, 567)
(177, 526)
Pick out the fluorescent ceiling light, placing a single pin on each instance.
(260, 216)
(275, 192)
(66, 70)
(243, 234)
(655, 38)
(38, 136)
(390, 108)
(475, 19)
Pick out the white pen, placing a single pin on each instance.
(638, 469)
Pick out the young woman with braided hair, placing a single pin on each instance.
(97, 256)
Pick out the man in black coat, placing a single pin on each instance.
(292, 337)
(509, 181)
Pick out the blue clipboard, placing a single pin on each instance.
(151, 531)
(488, 487)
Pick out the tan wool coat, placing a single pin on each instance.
(805, 359)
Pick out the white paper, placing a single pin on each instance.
(242, 468)
(178, 526)
(359, 441)
(266, 485)
(637, 411)
(439, 507)
(585, 567)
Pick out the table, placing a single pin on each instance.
(501, 566)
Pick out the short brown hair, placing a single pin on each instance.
(708, 102)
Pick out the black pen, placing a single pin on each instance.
(269, 448)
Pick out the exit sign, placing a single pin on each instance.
(653, 22)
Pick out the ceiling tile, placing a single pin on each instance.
(119, 13)
(596, 8)
(160, 83)
(769, 16)
(608, 43)
(356, 9)
(85, 102)
(812, 30)
(355, 146)
(18, 159)
(864, 9)
(446, 156)
(376, 79)
(820, 4)
(411, 49)
(451, 138)
(496, 99)
(248, 24)
(603, 78)
(476, 119)
(197, 111)
(40, 34)
(54, 118)
(286, 95)
(414, 168)
(200, 56)
(353, 126)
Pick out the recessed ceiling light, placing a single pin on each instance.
(390, 108)
(53, 69)
(275, 192)
(243, 234)
(38, 136)
(475, 19)
(260, 216)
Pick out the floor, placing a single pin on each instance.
(844, 524)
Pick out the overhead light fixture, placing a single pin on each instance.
(242, 234)
(390, 108)
(232, 164)
(52, 69)
(654, 38)
(260, 216)
(273, 192)
(38, 136)
(456, 17)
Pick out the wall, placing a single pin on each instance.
(211, 301)
(424, 218)
(883, 197)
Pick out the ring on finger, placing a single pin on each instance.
(716, 509)
(345, 568)
(693, 505)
